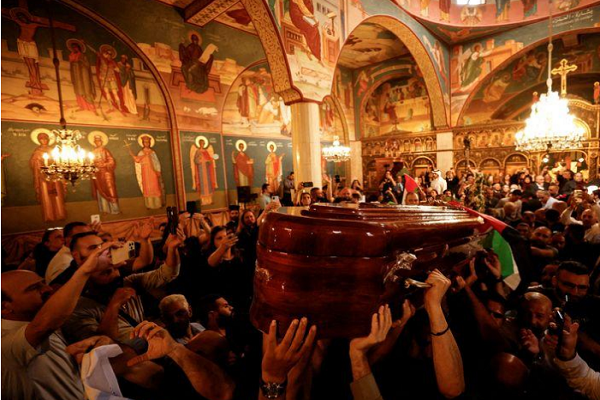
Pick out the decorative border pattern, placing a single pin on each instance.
(201, 12)
(269, 36)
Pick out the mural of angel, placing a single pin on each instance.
(273, 166)
(50, 195)
(148, 172)
(204, 169)
(104, 187)
(472, 65)
(438, 57)
(363, 80)
(243, 165)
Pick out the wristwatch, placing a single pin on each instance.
(272, 390)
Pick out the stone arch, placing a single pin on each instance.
(424, 62)
(492, 74)
(162, 85)
(271, 40)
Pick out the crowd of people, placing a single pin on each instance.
(175, 315)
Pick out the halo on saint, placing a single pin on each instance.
(139, 139)
(271, 143)
(92, 136)
(72, 41)
(107, 48)
(194, 33)
(241, 141)
(36, 132)
(201, 142)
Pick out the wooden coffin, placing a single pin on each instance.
(329, 262)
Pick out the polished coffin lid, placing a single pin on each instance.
(328, 263)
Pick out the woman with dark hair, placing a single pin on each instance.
(304, 199)
(229, 276)
(355, 185)
(43, 252)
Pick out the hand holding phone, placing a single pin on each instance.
(123, 253)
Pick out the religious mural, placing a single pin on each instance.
(203, 167)
(102, 80)
(253, 108)
(471, 62)
(237, 17)
(493, 13)
(399, 101)
(134, 177)
(529, 71)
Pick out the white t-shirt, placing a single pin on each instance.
(17, 354)
(58, 264)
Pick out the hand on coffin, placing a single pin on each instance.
(381, 322)
(439, 285)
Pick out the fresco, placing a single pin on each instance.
(102, 80)
(370, 44)
(497, 12)
(525, 72)
(330, 121)
(197, 64)
(472, 61)
(253, 108)
(397, 105)
(203, 168)
(343, 91)
(134, 179)
(311, 35)
(237, 17)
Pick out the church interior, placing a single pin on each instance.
(219, 106)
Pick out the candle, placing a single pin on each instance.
(45, 157)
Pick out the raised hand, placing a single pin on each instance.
(279, 359)
(568, 346)
(408, 311)
(121, 296)
(174, 241)
(381, 322)
(91, 263)
(472, 278)
(160, 343)
(492, 261)
(529, 341)
(145, 229)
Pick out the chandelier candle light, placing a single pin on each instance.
(67, 161)
(550, 125)
(337, 152)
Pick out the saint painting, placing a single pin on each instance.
(273, 166)
(104, 186)
(243, 166)
(50, 195)
(81, 76)
(148, 173)
(128, 81)
(204, 169)
(303, 18)
(109, 78)
(196, 63)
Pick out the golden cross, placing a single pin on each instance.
(563, 70)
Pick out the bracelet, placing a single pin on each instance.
(442, 332)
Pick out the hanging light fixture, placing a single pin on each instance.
(550, 125)
(67, 162)
(337, 152)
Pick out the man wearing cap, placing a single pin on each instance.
(437, 183)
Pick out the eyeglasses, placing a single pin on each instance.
(496, 314)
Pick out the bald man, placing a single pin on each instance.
(589, 220)
(31, 313)
(535, 313)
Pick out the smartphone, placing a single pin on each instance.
(172, 220)
(274, 198)
(559, 320)
(307, 184)
(123, 253)
(95, 218)
(193, 207)
(337, 179)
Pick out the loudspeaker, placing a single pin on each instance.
(244, 194)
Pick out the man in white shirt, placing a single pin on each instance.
(31, 313)
(265, 196)
(588, 220)
(545, 198)
(437, 183)
(63, 258)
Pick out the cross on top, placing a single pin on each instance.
(563, 70)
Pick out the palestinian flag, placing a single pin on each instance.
(410, 186)
(498, 238)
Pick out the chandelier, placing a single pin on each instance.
(337, 152)
(67, 162)
(550, 126)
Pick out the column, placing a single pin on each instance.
(306, 144)
(445, 154)
(356, 170)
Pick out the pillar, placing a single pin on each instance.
(445, 153)
(356, 170)
(306, 144)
